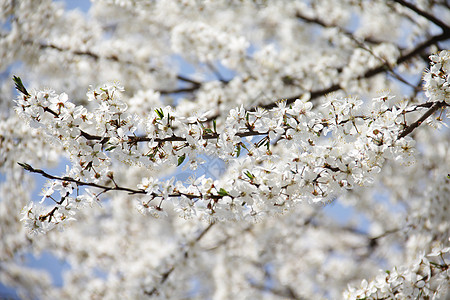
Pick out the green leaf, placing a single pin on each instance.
(249, 175)
(110, 148)
(222, 192)
(160, 112)
(238, 150)
(214, 125)
(19, 86)
(181, 159)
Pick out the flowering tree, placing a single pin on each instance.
(305, 105)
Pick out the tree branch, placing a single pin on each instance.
(195, 84)
(165, 275)
(424, 14)
(285, 292)
(180, 90)
(116, 187)
(416, 124)
(369, 73)
(321, 23)
(29, 168)
(208, 136)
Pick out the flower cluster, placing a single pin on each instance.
(318, 154)
(425, 278)
(337, 186)
(437, 78)
(38, 221)
(208, 43)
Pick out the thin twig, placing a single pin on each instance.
(29, 168)
(116, 187)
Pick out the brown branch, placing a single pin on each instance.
(50, 214)
(360, 43)
(433, 106)
(202, 234)
(369, 73)
(416, 124)
(186, 79)
(116, 187)
(29, 168)
(135, 139)
(424, 14)
(321, 23)
(419, 48)
(179, 90)
(286, 292)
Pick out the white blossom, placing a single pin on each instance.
(225, 149)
